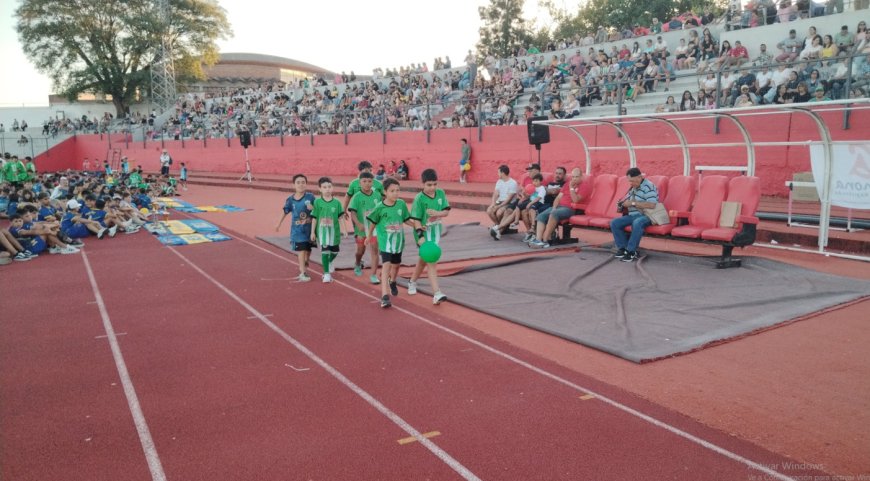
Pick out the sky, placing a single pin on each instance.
(339, 35)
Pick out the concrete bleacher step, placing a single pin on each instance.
(476, 197)
(461, 196)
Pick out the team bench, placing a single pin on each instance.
(694, 212)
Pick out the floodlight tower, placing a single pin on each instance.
(163, 69)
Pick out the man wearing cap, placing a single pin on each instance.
(746, 79)
(819, 95)
(641, 195)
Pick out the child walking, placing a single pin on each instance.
(183, 176)
(427, 210)
(300, 205)
(388, 219)
(361, 205)
(325, 227)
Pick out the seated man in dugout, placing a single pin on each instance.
(642, 195)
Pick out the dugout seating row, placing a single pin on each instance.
(694, 212)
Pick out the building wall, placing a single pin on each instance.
(505, 145)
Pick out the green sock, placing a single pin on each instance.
(326, 258)
(332, 256)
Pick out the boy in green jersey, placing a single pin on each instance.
(429, 207)
(325, 227)
(364, 167)
(361, 205)
(388, 219)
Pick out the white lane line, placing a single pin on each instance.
(148, 447)
(616, 404)
(395, 418)
(298, 369)
(104, 336)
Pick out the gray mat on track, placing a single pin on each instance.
(663, 305)
(458, 243)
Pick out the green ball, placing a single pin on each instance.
(430, 252)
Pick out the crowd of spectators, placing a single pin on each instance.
(506, 91)
(55, 212)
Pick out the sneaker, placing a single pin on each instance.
(303, 278)
(374, 279)
(113, 230)
(131, 230)
(30, 254)
(357, 270)
(514, 226)
(438, 298)
(54, 250)
(629, 256)
(21, 257)
(619, 253)
(385, 302)
(412, 288)
(394, 288)
(69, 250)
(497, 235)
(493, 230)
(529, 237)
(102, 233)
(76, 243)
(327, 278)
(5, 260)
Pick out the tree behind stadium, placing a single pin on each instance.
(504, 28)
(108, 45)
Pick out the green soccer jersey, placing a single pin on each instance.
(388, 220)
(419, 210)
(328, 227)
(353, 188)
(362, 204)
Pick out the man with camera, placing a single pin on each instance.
(641, 195)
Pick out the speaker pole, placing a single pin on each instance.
(538, 148)
(247, 175)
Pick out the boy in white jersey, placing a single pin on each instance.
(429, 207)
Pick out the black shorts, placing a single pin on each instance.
(522, 205)
(329, 249)
(301, 246)
(391, 258)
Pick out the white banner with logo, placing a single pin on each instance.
(850, 173)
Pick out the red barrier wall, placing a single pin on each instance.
(508, 145)
(60, 157)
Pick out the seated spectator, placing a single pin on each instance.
(503, 198)
(642, 195)
(813, 51)
(687, 102)
(786, 12)
(745, 98)
(680, 54)
(402, 170)
(763, 57)
(802, 95)
(13, 249)
(669, 106)
(790, 47)
(844, 40)
(381, 174)
(569, 193)
(819, 95)
(736, 56)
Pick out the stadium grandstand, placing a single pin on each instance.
(637, 253)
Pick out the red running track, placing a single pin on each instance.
(207, 334)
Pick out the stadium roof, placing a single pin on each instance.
(269, 61)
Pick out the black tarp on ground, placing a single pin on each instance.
(662, 305)
(458, 243)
